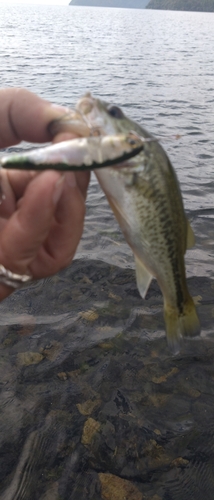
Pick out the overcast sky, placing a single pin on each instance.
(28, 2)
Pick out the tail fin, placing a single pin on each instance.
(180, 325)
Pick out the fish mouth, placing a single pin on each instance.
(76, 121)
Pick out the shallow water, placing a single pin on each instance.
(92, 389)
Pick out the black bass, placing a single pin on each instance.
(145, 197)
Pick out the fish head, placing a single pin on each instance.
(93, 116)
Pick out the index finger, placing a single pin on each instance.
(25, 116)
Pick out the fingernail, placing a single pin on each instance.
(70, 179)
(58, 189)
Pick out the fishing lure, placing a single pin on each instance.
(85, 153)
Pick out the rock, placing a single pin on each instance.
(62, 376)
(51, 493)
(88, 406)
(52, 350)
(163, 378)
(179, 462)
(90, 428)
(29, 358)
(89, 315)
(116, 488)
(156, 455)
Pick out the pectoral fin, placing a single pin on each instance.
(118, 212)
(190, 236)
(143, 277)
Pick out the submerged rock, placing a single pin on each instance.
(115, 488)
(88, 406)
(90, 428)
(29, 358)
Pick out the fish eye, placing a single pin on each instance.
(132, 142)
(115, 112)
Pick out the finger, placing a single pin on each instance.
(14, 183)
(18, 181)
(82, 180)
(29, 226)
(25, 116)
(66, 231)
(8, 199)
(64, 136)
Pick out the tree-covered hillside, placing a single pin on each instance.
(129, 4)
(195, 5)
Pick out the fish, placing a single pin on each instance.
(86, 153)
(145, 196)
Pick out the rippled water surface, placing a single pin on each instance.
(93, 406)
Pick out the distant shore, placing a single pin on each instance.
(185, 5)
(128, 4)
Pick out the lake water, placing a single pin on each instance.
(145, 410)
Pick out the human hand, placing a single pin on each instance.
(41, 215)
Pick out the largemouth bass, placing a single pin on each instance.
(145, 197)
